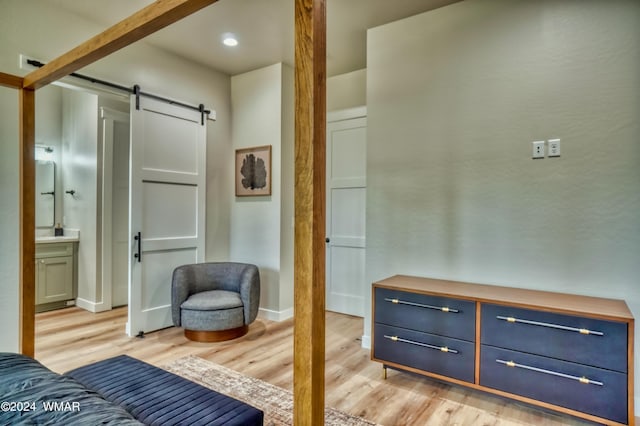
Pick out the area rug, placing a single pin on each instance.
(277, 403)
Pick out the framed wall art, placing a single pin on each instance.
(253, 171)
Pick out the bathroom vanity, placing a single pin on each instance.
(56, 272)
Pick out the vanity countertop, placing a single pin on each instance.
(70, 236)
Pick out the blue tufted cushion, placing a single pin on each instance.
(25, 380)
(158, 397)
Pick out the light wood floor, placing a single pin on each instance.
(72, 337)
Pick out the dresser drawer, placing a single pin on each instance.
(435, 354)
(556, 335)
(556, 382)
(430, 314)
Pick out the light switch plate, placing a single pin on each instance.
(554, 147)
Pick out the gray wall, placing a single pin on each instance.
(456, 96)
(9, 220)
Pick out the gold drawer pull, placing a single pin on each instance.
(420, 305)
(582, 379)
(550, 325)
(424, 345)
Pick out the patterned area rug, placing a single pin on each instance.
(277, 403)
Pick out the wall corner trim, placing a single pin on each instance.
(94, 307)
(366, 341)
(278, 316)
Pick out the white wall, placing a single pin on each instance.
(259, 231)
(287, 180)
(49, 133)
(347, 90)
(455, 97)
(79, 174)
(9, 220)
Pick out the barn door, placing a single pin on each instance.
(166, 208)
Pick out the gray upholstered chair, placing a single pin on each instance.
(215, 301)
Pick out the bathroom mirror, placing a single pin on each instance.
(45, 193)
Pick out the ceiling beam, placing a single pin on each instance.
(146, 21)
(309, 190)
(8, 80)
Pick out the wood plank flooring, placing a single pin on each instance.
(72, 337)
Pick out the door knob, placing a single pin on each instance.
(327, 240)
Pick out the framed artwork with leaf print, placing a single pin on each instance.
(253, 171)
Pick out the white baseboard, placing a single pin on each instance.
(277, 316)
(91, 306)
(366, 342)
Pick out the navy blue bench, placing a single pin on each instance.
(158, 397)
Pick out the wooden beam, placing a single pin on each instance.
(27, 221)
(8, 80)
(139, 25)
(309, 257)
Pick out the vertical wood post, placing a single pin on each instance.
(309, 257)
(27, 221)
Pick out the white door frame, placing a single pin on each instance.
(108, 117)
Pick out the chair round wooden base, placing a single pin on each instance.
(216, 336)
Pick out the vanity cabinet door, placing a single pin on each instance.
(54, 279)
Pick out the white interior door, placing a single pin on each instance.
(346, 202)
(167, 206)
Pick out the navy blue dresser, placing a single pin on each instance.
(566, 352)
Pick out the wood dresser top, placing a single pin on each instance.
(561, 302)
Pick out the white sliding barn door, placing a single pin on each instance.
(167, 206)
(346, 201)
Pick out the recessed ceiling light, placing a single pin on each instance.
(230, 41)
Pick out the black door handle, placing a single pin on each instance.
(138, 255)
(327, 240)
